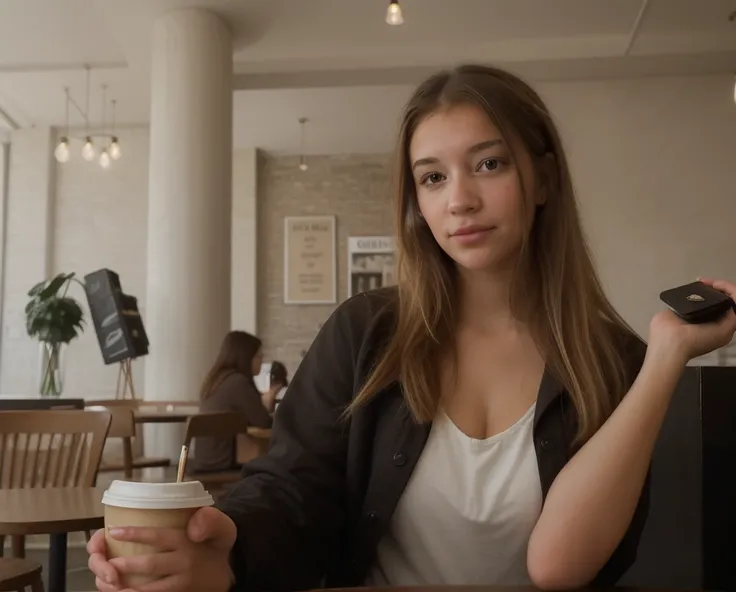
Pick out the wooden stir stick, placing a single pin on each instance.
(182, 464)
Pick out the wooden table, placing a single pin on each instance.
(162, 416)
(39, 403)
(55, 511)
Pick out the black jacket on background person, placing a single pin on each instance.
(311, 513)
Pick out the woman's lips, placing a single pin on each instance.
(468, 235)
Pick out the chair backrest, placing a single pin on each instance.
(51, 448)
(215, 425)
(122, 424)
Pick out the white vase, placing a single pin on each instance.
(51, 369)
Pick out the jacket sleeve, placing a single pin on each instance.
(290, 507)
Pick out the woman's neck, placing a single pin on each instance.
(485, 300)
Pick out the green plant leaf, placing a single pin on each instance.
(55, 284)
(54, 318)
(37, 288)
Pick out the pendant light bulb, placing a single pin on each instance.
(734, 89)
(393, 14)
(104, 159)
(114, 151)
(62, 151)
(302, 160)
(88, 152)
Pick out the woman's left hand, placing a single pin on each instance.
(669, 333)
(193, 560)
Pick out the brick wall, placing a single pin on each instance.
(353, 188)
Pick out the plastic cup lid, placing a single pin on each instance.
(157, 496)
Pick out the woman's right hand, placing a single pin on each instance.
(685, 341)
(198, 559)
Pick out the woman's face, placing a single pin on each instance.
(257, 362)
(468, 187)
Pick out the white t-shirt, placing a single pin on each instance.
(467, 512)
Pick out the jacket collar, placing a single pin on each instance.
(550, 389)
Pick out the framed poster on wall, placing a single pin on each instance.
(371, 263)
(310, 268)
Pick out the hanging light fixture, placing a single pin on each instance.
(394, 15)
(114, 149)
(104, 159)
(88, 152)
(302, 161)
(62, 152)
(104, 156)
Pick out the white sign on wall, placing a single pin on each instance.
(371, 263)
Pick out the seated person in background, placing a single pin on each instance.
(278, 381)
(229, 386)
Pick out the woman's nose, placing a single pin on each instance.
(463, 197)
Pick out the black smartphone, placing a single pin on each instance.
(697, 303)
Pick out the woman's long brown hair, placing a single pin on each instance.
(236, 356)
(576, 327)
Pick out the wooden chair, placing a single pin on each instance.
(220, 426)
(18, 574)
(50, 449)
(123, 426)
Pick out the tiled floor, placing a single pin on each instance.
(79, 578)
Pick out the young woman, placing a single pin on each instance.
(229, 386)
(278, 381)
(489, 421)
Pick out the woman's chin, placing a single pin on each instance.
(482, 261)
(477, 262)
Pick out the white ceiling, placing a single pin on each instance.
(337, 62)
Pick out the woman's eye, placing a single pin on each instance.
(432, 178)
(490, 164)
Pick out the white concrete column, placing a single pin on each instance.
(28, 246)
(189, 212)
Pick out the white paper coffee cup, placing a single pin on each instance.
(152, 505)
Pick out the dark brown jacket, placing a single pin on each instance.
(235, 393)
(312, 511)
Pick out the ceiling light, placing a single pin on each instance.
(115, 152)
(104, 159)
(393, 14)
(62, 152)
(88, 152)
(302, 161)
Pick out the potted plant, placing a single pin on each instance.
(54, 319)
